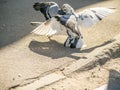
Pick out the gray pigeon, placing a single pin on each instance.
(48, 9)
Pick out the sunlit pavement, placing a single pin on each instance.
(24, 56)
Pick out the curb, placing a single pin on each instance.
(97, 57)
(103, 54)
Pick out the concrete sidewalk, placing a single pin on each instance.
(97, 57)
(33, 57)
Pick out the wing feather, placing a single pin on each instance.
(48, 28)
(90, 16)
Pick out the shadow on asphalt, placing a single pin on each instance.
(15, 17)
(114, 80)
(53, 49)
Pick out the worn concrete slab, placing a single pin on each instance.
(48, 79)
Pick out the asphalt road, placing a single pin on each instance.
(15, 17)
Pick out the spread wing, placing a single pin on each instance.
(48, 28)
(90, 16)
(86, 19)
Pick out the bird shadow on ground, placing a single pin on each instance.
(114, 80)
(53, 49)
(92, 48)
(56, 50)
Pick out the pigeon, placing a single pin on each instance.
(48, 9)
(72, 22)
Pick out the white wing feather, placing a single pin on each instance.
(90, 16)
(48, 28)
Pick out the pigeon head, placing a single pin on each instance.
(66, 8)
(37, 6)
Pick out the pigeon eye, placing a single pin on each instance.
(64, 10)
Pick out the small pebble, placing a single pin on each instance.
(19, 75)
(13, 79)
